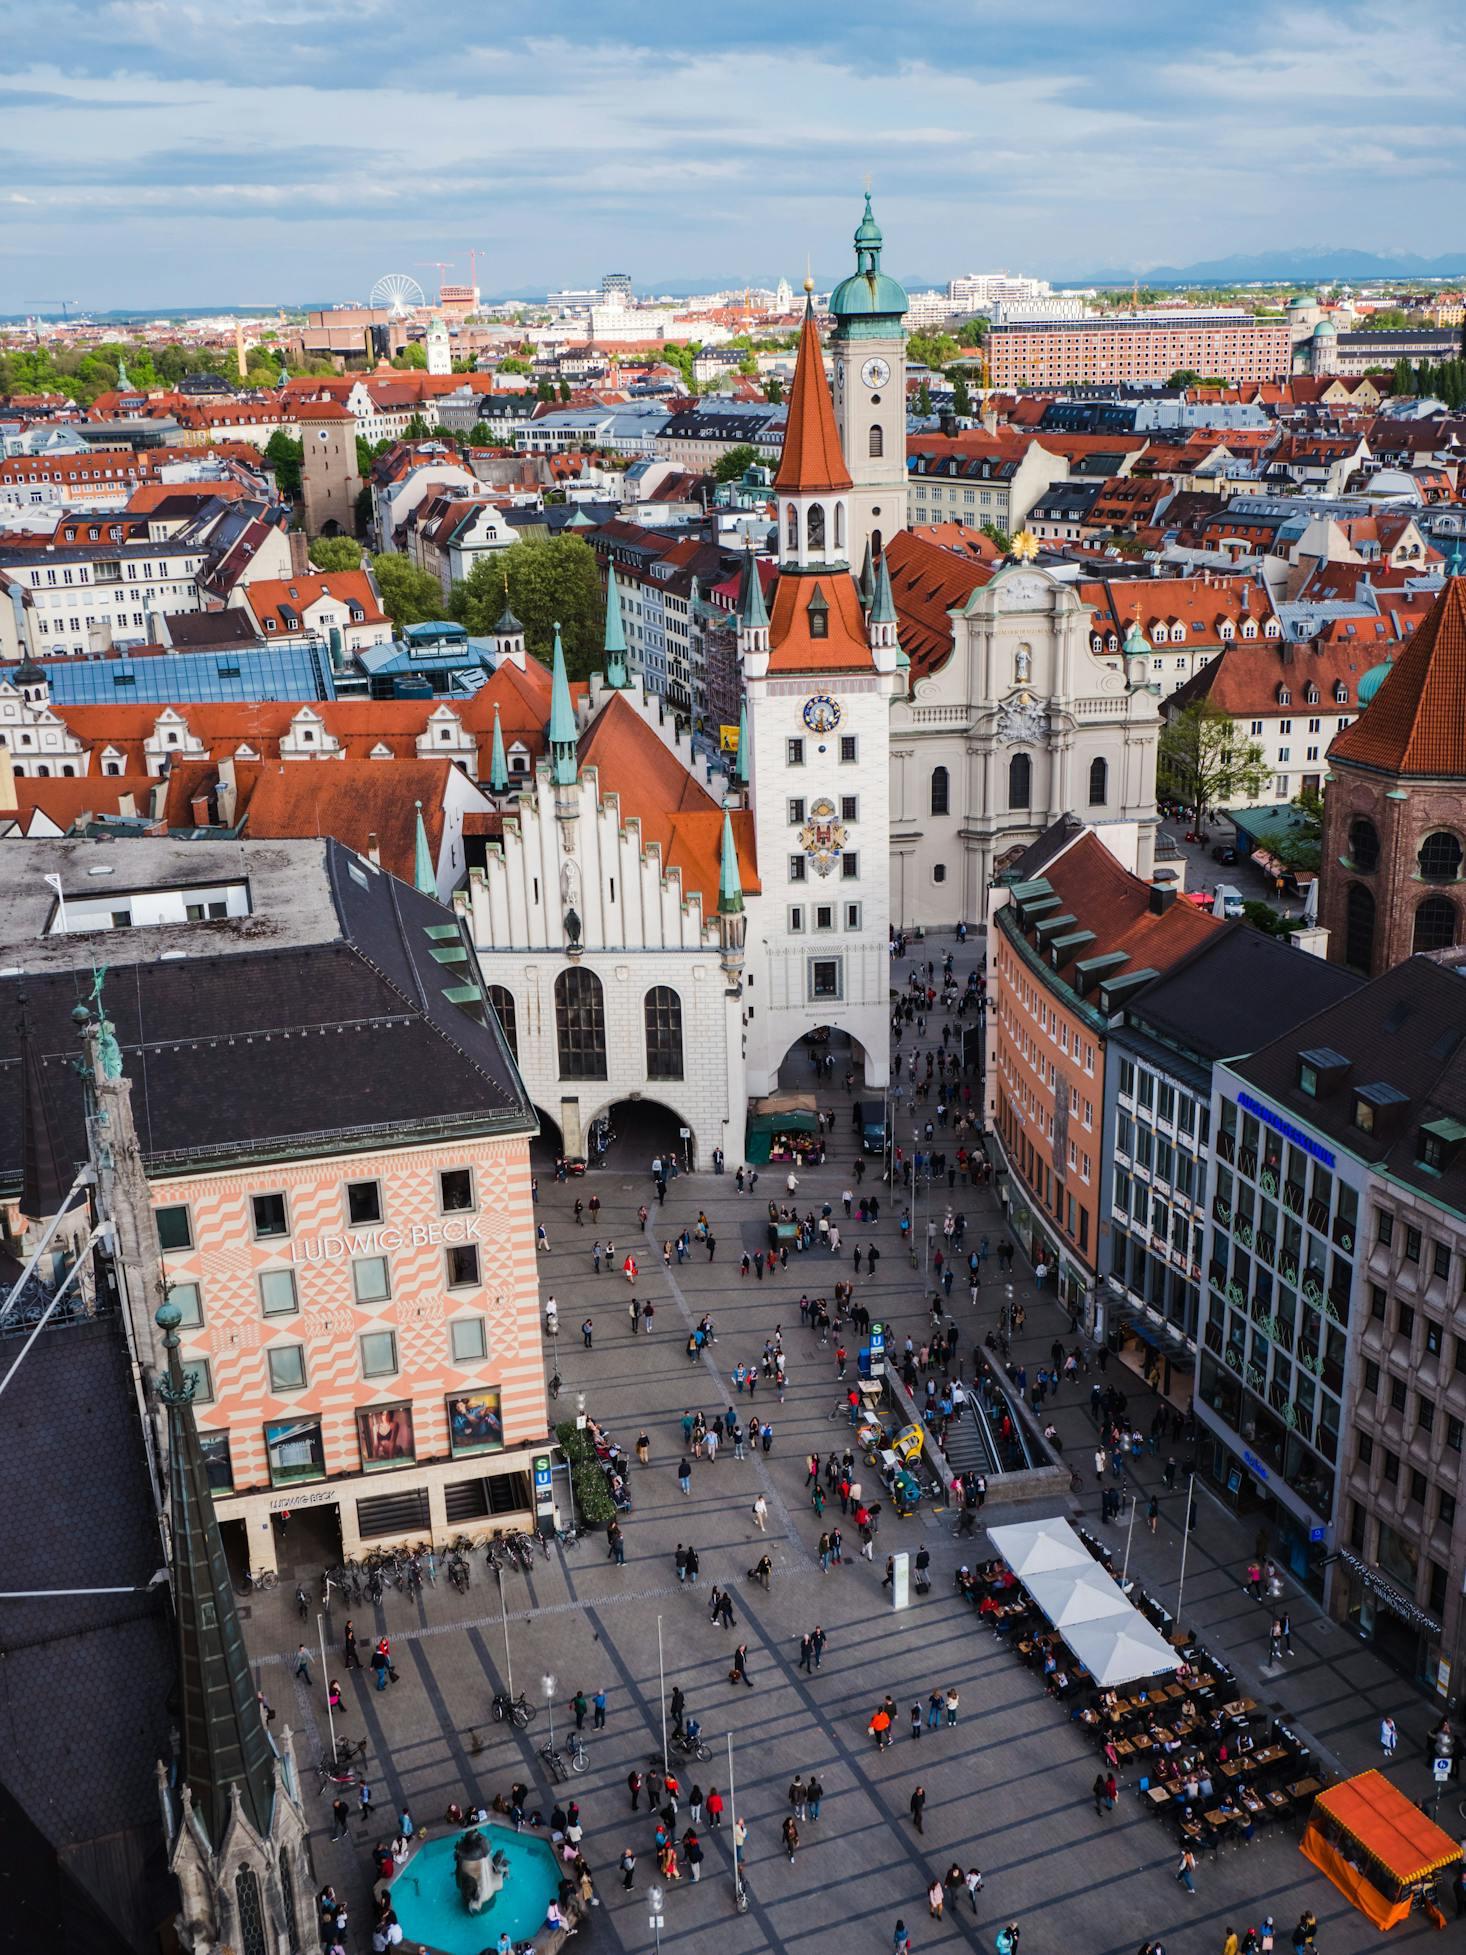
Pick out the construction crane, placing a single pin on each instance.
(64, 305)
(439, 266)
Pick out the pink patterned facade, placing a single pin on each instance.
(343, 1355)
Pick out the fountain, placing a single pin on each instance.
(457, 1894)
(479, 1870)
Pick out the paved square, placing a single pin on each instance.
(1008, 1789)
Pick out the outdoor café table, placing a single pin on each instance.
(1159, 1795)
(1279, 1801)
(1090, 1719)
(1269, 1755)
(1304, 1788)
(1141, 1741)
(1124, 1748)
(1239, 1707)
(1218, 1822)
(1234, 1767)
(1251, 1801)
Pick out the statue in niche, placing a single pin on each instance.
(1023, 665)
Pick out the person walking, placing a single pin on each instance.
(739, 1672)
(303, 1664)
(1153, 1514)
(972, 1881)
(901, 1940)
(627, 1864)
(348, 1645)
(760, 1514)
(917, 1805)
(1098, 1789)
(599, 1701)
(340, 1816)
(936, 1896)
(684, 1477)
(364, 1803)
(798, 1798)
(814, 1794)
(634, 1784)
(1389, 1736)
(715, 1806)
(1186, 1868)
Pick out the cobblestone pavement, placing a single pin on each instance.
(1007, 1788)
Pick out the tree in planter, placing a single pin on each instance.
(1203, 760)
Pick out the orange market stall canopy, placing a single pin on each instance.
(1375, 1846)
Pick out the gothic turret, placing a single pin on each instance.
(423, 875)
(618, 678)
(509, 634)
(753, 616)
(883, 623)
(498, 766)
(743, 766)
(732, 923)
(564, 746)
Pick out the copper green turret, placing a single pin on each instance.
(618, 678)
(498, 766)
(883, 604)
(730, 886)
(422, 860)
(564, 758)
(753, 613)
(741, 764)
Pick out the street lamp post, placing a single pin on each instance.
(547, 1685)
(1185, 1537)
(504, 1616)
(330, 1714)
(655, 1919)
(662, 1685)
(740, 1896)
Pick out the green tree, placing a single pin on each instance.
(285, 456)
(736, 463)
(773, 390)
(336, 553)
(363, 510)
(961, 395)
(998, 535)
(1184, 377)
(409, 595)
(552, 579)
(1388, 319)
(564, 390)
(479, 436)
(1403, 379)
(973, 332)
(1203, 760)
(513, 364)
(544, 391)
(923, 399)
(412, 358)
(417, 429)
(932, 349)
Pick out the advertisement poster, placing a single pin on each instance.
(385, 1435)
(475, 1423)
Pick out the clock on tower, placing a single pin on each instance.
(870, 391)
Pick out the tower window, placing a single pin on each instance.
(1359, 928)
(1364, 844)
(1440, 857)
(1099, 783)
(1020, 781)
(877, 446)
(815, 528)
(941, 782)
(1435, 924)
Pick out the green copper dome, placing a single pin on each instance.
(1325, 329)
(869, 293)
(1373, 679)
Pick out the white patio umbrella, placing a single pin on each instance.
(1116, 1652)
(1079, 1595)
(1040, 1547)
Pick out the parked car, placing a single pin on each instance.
(1226, 856)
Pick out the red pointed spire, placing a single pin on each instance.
(1414, 724)
(812, 458)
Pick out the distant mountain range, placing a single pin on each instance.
(1303, 263)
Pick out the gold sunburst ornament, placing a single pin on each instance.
(1025, 546)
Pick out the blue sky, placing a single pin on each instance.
(172, 152)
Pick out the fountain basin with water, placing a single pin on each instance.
(432, 1910)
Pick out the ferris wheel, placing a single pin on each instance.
(399, 292)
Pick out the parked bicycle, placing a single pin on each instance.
(560, 1763)
(513, 1710)
(344, 1767)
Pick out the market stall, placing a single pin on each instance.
(1378, 1849)
(784, 1128)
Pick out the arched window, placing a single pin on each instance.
(1435, 924)
(1099, 783)
(941, 790)
(580, 1024)
(1440, 857)
(876, 545)
(792, 527)
(839, 526)
(1359, 929)
(502, 999)
(815, 529)
(1364, 844)
(251, 1912)
(663, 1033)
(1020, 781)
(877, 446)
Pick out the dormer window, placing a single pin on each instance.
(1437, 1144)
(1285, 697)
(1311, 695)
(1308, 1079)
(1249, 629)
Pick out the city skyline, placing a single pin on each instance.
(305, 156)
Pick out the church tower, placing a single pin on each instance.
(870, 391)
(819, 681)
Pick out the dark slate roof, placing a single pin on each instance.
(1407, 1030)
(1040, 853)
(192, 629)
(87, 1678)
(1236, 991)
(281, 1051)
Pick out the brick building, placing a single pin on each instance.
(1394, 835)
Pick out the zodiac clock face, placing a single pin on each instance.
(821, 714)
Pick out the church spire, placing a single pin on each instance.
(743, 768)
(812, 459)
(422, 859)
(867, 583)
(498, 766)
(223, 1750)
(752, 612)
(617, 676)
(564, 758)
(732, 923)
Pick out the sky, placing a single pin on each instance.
(174, 153)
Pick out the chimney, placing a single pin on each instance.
(199, 809)
(127, 806)
(299, 552)
(226, 797)
(948, 421)
(374, 852)
(1160, 899)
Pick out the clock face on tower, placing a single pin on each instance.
(821, 714)
(876, 372)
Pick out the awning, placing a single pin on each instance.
(1116, 1651)
(1071, 1596)
(1039, 1547)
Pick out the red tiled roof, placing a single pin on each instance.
(928, 581)
(66, 800)
(793, 646)
(350, 799)
(1104, 897)
(287, 599)
(1416, 723)
(674, 809)
(811, 457)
